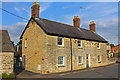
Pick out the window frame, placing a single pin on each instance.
(79, 43)
(80, 59)
(98, 58)
(62, 60)
(62, 41)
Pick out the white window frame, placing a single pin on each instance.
(79, 59)
(99, 45)
(79, 43)
(25, 43)
(62, 41)
(98, 58)
(62, 60)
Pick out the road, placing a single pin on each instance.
(110, 71)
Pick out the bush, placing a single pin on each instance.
(4, 75)
(11, 75)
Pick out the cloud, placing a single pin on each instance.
(44, 6)
(18, 10)
(15, 30)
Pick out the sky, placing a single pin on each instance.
(104, 14)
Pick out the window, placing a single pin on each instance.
(79, 43)
(26, 43)
(80, 59)
(99, 58)
(15, 60)
(60, 60)
(60, 41)
(113, 50)
(98, 45)
(107, 52)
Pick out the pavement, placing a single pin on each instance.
(109, 71)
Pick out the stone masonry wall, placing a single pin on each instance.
(88, 47)
(35, 51)
(7, 62)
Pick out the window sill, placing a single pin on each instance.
(80, 63)
(99, 62)
(61, 65)
(98, 48)
(80, 47)
(60, 46)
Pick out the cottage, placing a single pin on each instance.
(6, 53)
(51, 47)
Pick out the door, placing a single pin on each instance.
(24, 61)
(87, 61)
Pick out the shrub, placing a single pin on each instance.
(11, 75)
(4, 75)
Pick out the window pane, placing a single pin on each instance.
(80, 59)
(59, 40)
(60, 60)
(79, 43)
(98, 46)
(98, 58)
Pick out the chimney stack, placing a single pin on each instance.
(76, 21)
(92, 26)
(35, 10)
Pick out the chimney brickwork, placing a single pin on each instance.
(35, 10)
(92, 26)
(76, 21)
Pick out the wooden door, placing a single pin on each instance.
(87, 61)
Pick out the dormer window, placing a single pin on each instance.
(98, 45)
(60, 41)
(79, 43)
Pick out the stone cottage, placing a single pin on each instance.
(6, 53)
(51, 47)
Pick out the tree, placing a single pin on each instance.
(112, 45)
(13, 43)
(20, 42)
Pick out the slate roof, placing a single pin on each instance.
(5, 42)
(64, 30)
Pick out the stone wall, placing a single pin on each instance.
(35, 51)
(42, 51)
(7, 61)
(88, 47)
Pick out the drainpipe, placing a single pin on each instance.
(71, 52)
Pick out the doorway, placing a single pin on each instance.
(24, 61)
(87, 60)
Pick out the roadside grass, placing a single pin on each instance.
(8, 76)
